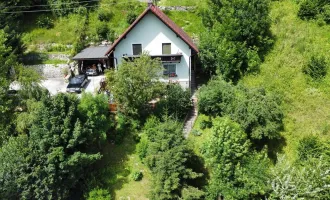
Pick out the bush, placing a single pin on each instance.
(130, 18)
(142, 148)
(258, 114)
(205, 124)
(44, 21)
(196, 132)
(176, 102)
(102, 31)
(316, 68)
(308, 9)
(104, 15)
(309, 147)
(99, 194)
(137, 175)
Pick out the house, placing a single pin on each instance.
(157, 34)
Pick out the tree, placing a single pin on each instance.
(166, 157)
(95, 113)
(135, 84)
(236, 171)
(237, 35)
(176, 101)
(258, 113)
(57, 152)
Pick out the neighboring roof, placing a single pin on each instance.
(98, 52)
(165, 19)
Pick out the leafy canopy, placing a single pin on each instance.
(135, 83)
(237, 34)
(57, 150)
(236, 171)
(166, 155)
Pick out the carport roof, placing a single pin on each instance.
(92, 53)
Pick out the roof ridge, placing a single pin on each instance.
(165, 19)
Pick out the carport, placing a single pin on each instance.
(92, 57)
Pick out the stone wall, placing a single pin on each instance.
(50, 70)
(177, 8)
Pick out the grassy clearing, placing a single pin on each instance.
(117, 166)
(306, 104)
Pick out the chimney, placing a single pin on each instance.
(150, 3)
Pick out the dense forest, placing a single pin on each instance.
(262, 130)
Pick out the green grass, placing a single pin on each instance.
(196, 142)
(306, 104)
(179, 3)
(118, 163)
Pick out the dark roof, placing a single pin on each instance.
(98, 52)
(166, 20)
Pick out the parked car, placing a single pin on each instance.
(77, 83)
(92, 72)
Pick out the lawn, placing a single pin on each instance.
(118, 163)
(306, 103)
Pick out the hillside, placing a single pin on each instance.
(306, 103)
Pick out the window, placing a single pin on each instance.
(169, 70)
(137, 49)
(166, 48)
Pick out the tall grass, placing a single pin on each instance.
(306, 103)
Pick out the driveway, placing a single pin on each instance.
(56, 85)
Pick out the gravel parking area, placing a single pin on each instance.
(56, 85)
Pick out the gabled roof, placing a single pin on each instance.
(98, 52)
(165, 19)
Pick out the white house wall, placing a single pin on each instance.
(151, 32)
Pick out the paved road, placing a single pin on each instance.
(56, 85)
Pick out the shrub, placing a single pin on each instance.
(309, 147)
(99, 194)
(308, 9)
(326, 13)
(316, 68)
(205, 124)
(104, 15)
(137, 175)
(102, 31)
(130, 18)
(44, 21)
(196, 132)
(142, 147)
(258, 114)
(176, 102)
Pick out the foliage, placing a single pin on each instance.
(142, 147)
(176, 101)
(312, 9)
(130, 18)
(307, 180)
(99, 194)
(205, 124)
(236, 172)
(309, 147)
(45, 21)
(104, 15)
(95, 113)
(59, 147)
(137, 175)
(192, 193)
(167, 157)
(316, 68)
(258, 114)
(237, 36)
(102, 31)
(64, 7)
(134, 84)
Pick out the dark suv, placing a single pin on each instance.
(77, 83)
